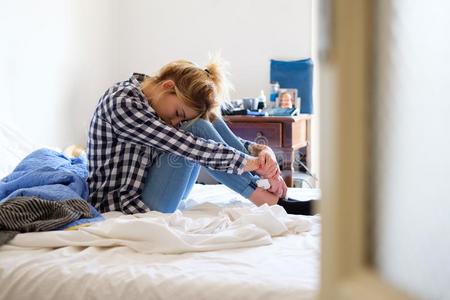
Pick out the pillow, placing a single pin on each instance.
(297, 74)
(13, 148)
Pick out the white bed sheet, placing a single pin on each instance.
(286, 269)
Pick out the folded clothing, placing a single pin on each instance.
(51, 176)
(31, 214)
(47, 174)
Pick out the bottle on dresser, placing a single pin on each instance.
(262, 101)
(273, 94)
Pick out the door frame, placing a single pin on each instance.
(346, 86)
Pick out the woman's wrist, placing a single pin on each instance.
(255, 149)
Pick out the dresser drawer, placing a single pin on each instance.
(299, 134)
(261, 133)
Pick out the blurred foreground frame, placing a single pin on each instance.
(346, 82)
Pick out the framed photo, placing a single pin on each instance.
(287, 98)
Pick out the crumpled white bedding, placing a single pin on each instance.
(154, 232)
(221, 247)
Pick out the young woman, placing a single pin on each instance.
(149, 135)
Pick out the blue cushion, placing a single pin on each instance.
(297, 74)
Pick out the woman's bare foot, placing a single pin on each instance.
(261, 196)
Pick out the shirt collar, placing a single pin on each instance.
(136, 79)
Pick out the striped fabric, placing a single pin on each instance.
(30, 214)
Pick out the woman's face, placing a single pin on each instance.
(167, 105)
(172, 110)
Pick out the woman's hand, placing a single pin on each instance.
(265, 165)
(268, 162)
(278, 186)
(252, 164)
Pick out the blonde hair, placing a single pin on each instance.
(202, 89)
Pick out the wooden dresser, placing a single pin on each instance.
(284, 135)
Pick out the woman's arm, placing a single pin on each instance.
(252, 147)
(132, 122)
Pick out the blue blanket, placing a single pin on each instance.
(49, 175)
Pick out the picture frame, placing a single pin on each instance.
(281, 103)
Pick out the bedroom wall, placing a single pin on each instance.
(58, 57)
(249, 33)
(55, 59)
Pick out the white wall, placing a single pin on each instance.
(55, 60)
(249, 33)
(58, 57)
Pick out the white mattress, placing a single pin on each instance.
(288, 268)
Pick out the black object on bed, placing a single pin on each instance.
(29, 214)
(296, 207)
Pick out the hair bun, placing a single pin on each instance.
(218, 70)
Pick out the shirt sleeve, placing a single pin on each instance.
(246, 144)
(132, 122)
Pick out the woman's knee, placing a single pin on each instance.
(195, 124)
(201, 128)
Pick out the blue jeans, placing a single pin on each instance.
(171, 177)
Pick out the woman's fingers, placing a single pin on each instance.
(272, 189)
(252, 164)
(262, 159)
(269, 166)
(273, 171)
(276, 186)
(283, 186)
(275, 190)
(278, 192)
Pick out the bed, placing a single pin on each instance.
(250, 260)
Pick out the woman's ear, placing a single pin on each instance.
(168, 84)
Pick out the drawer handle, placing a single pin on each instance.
(261, 139)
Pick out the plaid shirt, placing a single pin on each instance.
(125, 136)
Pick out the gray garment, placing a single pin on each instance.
(31, 214)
